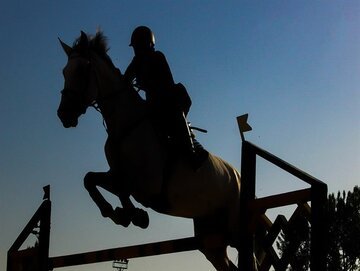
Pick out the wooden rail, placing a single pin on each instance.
(151, 249)
(280, 200)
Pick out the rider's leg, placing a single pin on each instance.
(182, 134)
(183, 138)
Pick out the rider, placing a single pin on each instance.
(151, 73)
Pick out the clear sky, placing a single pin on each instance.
(294, 66)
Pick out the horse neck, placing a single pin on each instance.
(120, 106)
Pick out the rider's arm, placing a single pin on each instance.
(164, 76)
(130, 73)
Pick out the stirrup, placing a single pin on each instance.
(197, 128)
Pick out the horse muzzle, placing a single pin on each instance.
(67, 120)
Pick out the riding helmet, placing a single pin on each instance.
(142, 36)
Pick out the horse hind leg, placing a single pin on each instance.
(219, 258)
(215, 252)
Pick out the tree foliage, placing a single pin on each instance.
(344, 231)
(294, 243)
(343, 238)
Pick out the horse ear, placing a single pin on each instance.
(84, 39)
(66, 47)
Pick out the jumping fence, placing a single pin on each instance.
(258, 232)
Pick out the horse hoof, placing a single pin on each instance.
(121, 217)
(107, 211)
(140, 218)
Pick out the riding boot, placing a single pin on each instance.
(184, 140)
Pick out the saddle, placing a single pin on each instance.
(177, 150)
(174, 152)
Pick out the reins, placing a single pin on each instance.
(95, 105)
(112, 97)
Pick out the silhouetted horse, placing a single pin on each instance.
(139, 159)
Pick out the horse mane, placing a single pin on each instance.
(97, 43)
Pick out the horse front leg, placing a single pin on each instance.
(121, 216)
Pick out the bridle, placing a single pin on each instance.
(79, 102)
(76, 97)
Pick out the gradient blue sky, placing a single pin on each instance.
(292, 65)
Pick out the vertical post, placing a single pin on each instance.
(44, 236)
(248, 175)
(318, 227)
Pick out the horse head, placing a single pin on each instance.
(80, 87)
